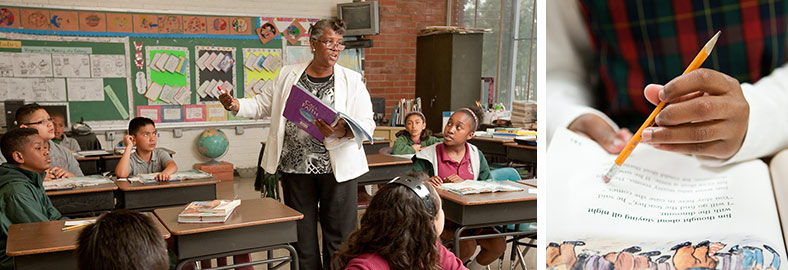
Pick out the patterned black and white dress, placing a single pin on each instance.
(302, 153)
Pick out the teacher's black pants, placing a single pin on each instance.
(320, 197)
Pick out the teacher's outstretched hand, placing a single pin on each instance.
(229, 103)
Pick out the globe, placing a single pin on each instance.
(212, 143)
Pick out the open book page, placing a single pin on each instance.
(474, 187)
(662, 209)
(76, 181)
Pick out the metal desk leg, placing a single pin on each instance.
(457, 240)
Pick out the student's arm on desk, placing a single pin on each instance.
(123, 169)
(169, 166)
(21, 204)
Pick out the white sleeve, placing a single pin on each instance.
(767, 127)
(569, 68)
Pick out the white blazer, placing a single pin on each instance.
(351, 97)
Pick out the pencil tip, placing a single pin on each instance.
(604, 178)
(713, 41)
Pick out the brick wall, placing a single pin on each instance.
(391, 63)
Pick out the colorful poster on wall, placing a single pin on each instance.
(255, 75)
(241, 26)
(61, 20)
(152, 112)
(92, 21)
(218, 26)
(215, 72)
(294, 32)
(168, 75)
(170, 24)
(145, 23)
(119, 22)
(35, 19)
(10, 17)
(194, 113)
(267, 31)
(215, 112)
(194, 25)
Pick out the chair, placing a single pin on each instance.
(510, 174)
(507, 173)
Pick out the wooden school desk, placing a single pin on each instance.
(84, 201)
(44, 245)
(88, 165)
(374, 148)
(100, 163)
(488, 210)
(145, 197)
(256, 225)
(383, 168)
(519, 152)
(491, 146)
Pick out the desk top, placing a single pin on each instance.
(521, 146)
(365, 142)
(377, 160)
(124, 185)
(251, 212)
(46, 237)
(78, 190)
(487, 198)
(528, 182)
(112, 155)
(82, 158)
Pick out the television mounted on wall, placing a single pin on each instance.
(361, 18)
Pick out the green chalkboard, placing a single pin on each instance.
(87, 110)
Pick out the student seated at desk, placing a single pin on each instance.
(63, 162)
(399, 230)
(147, 159)
(453, 161)
(120, 240)
(415, 136)
(22, 196)
(60, 137)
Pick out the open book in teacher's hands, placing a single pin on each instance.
(662, 210)
(303, 108)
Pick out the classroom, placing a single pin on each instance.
(293, 116)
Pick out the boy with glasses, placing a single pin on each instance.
(147, 159)
(63, 162)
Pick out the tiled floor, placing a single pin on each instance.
(243, 188)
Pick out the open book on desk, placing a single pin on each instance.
(149, 178)
(303, 109)
(663, 209)
(75, 182)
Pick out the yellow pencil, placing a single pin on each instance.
(650, 120)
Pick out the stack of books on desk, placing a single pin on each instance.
(473, 187)
(216, 211)
(524, 114)
(74, 182)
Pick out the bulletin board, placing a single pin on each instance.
(113, 66)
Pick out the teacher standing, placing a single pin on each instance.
(311, 173)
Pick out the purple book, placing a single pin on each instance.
(303, 108)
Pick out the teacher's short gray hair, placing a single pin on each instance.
(336, 24)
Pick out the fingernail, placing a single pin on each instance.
(646, 136)
(618, 143)
(662, 94)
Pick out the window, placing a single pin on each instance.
(509, 52)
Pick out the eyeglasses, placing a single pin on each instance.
(45, 121)
(331, 45)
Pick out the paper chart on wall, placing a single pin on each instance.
(218, 66)
(107, 66)
(660, 205)
(6, 64)
(33, 89)
(32, 65)
(84, 89)
(177, 79)
(71, 65)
